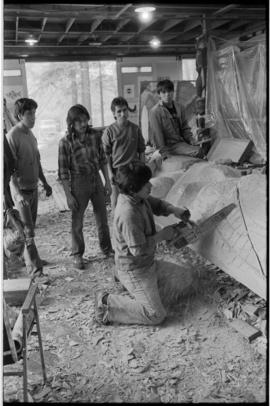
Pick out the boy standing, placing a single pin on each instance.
(122, 142)
(80, 158)
(28, 171)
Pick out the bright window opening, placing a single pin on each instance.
(12, 72)
(189, 69)
(146, 69)
(56, 86)
(129, 69)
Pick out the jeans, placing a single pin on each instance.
(145, 306)
(114, 196)
(83, 191)
(28, 215)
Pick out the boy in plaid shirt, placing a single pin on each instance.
(80, 158)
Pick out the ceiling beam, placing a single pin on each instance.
(89, 46)
(170, 24)
(44, 20)
(68, 26)
(127, 6)
(225, 9)
(94, 26)
(118, 28)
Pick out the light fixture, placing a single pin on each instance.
(155, 43)
(145, 13)
(94, 44)
(31, 40)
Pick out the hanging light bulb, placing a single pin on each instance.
(31, 40)
(155, 43)
(145, 13)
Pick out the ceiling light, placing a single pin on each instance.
(145, 13)
(94, 44)
(155, 43)
(31, 40)
(148, 9)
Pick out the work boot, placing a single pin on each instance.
(108, 253)
(78, 262)
(101, 307)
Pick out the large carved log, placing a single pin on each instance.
(238, 244)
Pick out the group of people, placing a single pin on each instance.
(120, 156)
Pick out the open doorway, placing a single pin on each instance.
(56, 86)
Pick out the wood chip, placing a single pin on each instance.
(245, 329)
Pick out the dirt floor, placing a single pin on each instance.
(194, 356)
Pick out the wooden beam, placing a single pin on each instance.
(127, 6)
(95, 24)
(170, 23)
(118, 28)
(42, 27)
(191, 24)
(68, 26)
(225, 9)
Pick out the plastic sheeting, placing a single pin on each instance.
(236, 92)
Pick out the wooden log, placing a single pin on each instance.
(15, 290)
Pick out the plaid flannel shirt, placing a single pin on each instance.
(76, 158)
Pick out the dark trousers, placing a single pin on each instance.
(28, 215)
(83, 191)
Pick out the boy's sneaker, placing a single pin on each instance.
(78, 262)
(100, 307)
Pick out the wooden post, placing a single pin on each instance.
(201, 67)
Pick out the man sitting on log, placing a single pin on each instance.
(169, 127)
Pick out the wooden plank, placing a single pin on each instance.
(228, 148)
(245, 329)
(15, 290)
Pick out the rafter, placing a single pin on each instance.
(225, 9)
(44, 21)
(170, 24)
(95, 24)
(118, 28)
(68, 26)
(127, 6)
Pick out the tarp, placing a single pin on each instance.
(236, 92)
